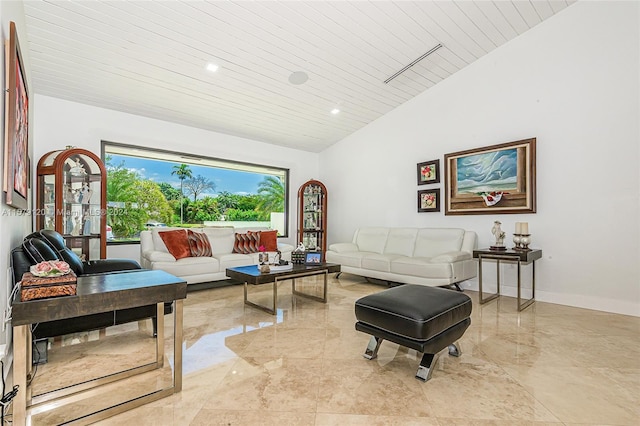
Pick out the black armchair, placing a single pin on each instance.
(49, 245)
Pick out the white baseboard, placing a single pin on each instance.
(575, 300)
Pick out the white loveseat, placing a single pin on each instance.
(154, 255)
(427, 256)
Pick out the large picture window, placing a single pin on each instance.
(155, 188)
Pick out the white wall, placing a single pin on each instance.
(58, 123)
(12, 227)
(573, 83)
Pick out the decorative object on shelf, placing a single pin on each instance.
(522, 237)
(297, 257)
(499, 235)
(77, 225)
(68, 194)
(16, 144)
(50, 268)
(312, 258)
(429, 200)
(312, 215)
(78, 168)
(40, 287)
(263, 256)
(85, 193)
(494, 179)
(264, 268)
(277, 257)
(285, 267)
(429, 172)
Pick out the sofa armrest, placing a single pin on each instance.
(109, 265)
(158, 256)
(343, 247)
(452, 256)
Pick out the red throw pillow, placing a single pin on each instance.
(199, 244)
(269, 239)
(176, 242)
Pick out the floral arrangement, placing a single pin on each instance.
(427, 173)
(428, 200)
(50, 268)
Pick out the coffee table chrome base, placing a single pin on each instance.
(272, 310)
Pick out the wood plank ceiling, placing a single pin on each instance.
(148, 58)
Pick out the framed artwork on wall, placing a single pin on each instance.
(16, 144)
(429, 172)
(494, 179)
(429, 200)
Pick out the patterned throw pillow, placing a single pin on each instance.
(199, 244)
(246, 243)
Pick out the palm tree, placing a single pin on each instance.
(182, 171)
(271, 190)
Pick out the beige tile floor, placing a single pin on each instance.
(550, 364)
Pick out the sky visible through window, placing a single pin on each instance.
(232, 181)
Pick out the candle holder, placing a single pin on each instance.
(521, 241)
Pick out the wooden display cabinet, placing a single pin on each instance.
(71, 199)
(312, 216)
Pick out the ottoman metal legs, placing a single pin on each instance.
(426, 319)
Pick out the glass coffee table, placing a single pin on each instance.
(251, 275)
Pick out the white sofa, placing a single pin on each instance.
(427, 256)
(154, 255)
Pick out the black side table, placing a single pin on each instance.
(513, 255)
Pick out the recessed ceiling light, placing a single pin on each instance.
(212, 67)
(335, 111)
(298, 77)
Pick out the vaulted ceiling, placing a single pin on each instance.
(149, 57)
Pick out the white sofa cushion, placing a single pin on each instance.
(379, 262)
(195, 266)
(350, 258)
(432, 242)
(421, 267)
(231, 260)
(343, 247)
(371, 239)
(401, 241)
(221, 239)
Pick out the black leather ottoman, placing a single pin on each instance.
(426, 319)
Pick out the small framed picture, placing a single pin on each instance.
(313, 258)
(429, 200)
(429, 172)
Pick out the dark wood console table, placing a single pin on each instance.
(96, 294)
(513, 255)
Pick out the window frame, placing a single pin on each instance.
(197, 160)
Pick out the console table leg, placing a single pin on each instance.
(494, 295)
(20, 367)
(523, 306)
(177, 344)
(160, 334)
